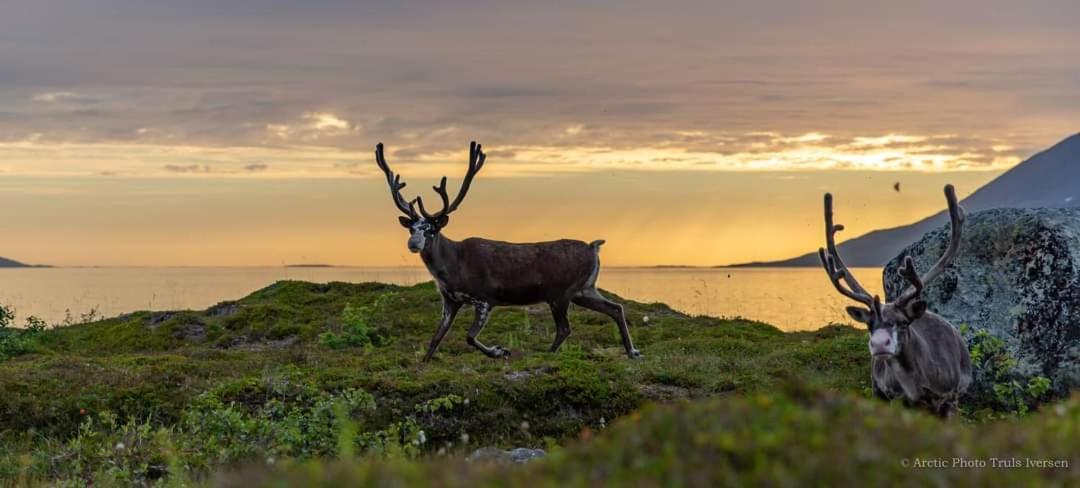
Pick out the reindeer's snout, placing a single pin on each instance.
(416, 242)
(883, 342)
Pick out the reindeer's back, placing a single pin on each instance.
(524, 273)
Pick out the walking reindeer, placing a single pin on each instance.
(487, 273)
(915, 353)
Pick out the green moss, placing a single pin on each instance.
(156, 369)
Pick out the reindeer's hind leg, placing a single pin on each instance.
(593, 300)
(562, 323)
(483, 310)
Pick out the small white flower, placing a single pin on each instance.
(422, 437)
(464, 438)
(645, 319)
(119, 446)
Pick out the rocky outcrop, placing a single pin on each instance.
(1017, 277)
(494, 455)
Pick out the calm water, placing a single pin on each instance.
(792, 299)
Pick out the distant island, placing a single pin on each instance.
(11, 263)
(312, 265)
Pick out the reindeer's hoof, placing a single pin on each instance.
(635, 354)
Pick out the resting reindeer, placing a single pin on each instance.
(916, 353)
(488, 273)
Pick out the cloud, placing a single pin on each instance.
(643, 77)
(189, 168)
(64, 96)
(325, 121)
(423, 157)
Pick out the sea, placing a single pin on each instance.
(788, 298)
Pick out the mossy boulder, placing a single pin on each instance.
(1015, 280)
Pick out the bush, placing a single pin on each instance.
(16, 342)
(999, 389)
(357, 329)
(213, 433)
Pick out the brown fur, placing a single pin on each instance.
(486, 273)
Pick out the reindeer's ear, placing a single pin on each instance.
(405, 222)
(442, 221)
(915, 309)
(859, 314)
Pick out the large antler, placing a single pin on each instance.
(395, 184)
(835, 267)
(476, 161)
(956, 221)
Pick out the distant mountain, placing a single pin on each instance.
(1049, 179)
(10, 263)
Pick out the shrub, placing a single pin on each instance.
(15, 342)
(999, 386)
(212, 433)
(357, 328)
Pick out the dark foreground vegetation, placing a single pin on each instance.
(306, 383)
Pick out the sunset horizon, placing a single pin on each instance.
(701, 136)
(582, 243)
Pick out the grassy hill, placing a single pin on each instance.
(276, 385)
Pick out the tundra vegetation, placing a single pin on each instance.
(323, 383)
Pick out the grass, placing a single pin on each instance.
(790, 438)
(256, 382)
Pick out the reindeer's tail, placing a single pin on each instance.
(596, 244)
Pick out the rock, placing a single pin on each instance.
(519, 455)
(192, 331)
(223, 309)
(157, 318)
(1017, 277)
(529, 373)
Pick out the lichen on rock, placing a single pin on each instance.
(1017, 277)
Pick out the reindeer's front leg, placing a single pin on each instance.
(483, 310)
(450, 309)
(908, 383)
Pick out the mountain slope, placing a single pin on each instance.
(1048, 179)
(10, 263)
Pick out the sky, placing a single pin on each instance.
(208, 133)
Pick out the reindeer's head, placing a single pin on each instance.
(888, 323)
(423, 226)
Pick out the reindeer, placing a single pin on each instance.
(915, 353)
(487, 273)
